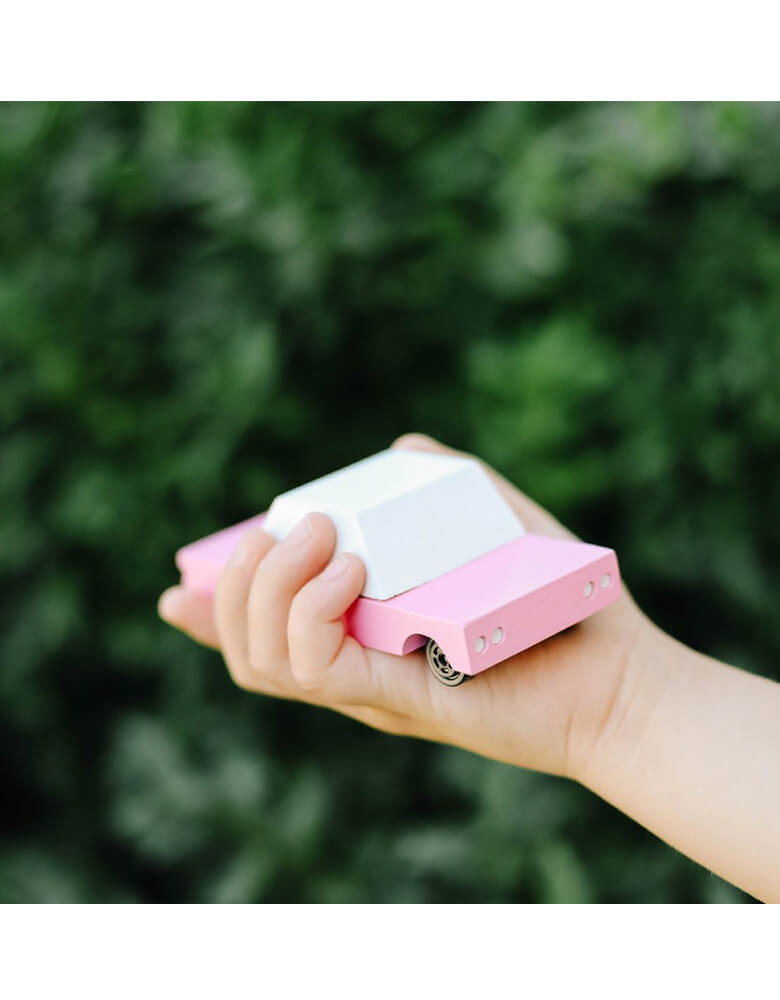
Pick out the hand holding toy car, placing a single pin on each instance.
(278, 616)
(448, 563)
(614, 703)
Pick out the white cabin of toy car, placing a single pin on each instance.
(411, 516)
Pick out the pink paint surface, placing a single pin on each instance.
(200, 563)
(529, 589)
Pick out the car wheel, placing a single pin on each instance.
(440, 666)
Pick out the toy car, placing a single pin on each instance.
(449, 565)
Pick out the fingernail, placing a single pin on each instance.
(336, 569)
(416, 442)
(300, 533)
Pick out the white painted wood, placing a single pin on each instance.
(411, 516)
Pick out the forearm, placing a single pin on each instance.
(691, 750)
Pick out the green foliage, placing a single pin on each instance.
(203, 305)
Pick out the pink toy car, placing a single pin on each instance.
(448, 564)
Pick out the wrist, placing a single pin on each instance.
(649, 666)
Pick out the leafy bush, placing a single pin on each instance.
(203, 305)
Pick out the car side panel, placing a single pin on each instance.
(531, 589)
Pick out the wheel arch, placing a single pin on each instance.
(414, 641)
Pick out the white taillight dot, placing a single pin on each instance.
(605, 581)
(588, 588)
(479, 644)
(497, 636)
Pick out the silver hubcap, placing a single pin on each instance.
(441, 668)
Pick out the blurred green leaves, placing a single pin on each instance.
(538, 403)
(202, 305)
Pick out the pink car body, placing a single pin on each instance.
(480, 613)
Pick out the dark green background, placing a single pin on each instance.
(201, 306)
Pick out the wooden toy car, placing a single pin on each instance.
(448, 564)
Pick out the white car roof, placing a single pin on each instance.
(411, 516)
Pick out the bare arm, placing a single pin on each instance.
(691, 750)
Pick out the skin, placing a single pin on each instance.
(687, 746)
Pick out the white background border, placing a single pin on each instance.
(398, 952)
(346, 50)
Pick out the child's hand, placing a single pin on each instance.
(277, 614)
(686, 745)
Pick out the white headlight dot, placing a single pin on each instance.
(479, 644)
(605, 581)
(588, 588)
(497, 636)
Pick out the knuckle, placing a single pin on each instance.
(299, 621)
(297, 636)
(298, 639)
(261, 663)
(266, 581)
(259, 611)
(225, 591)
(298, 608)
(305, 678)
(238, 676)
